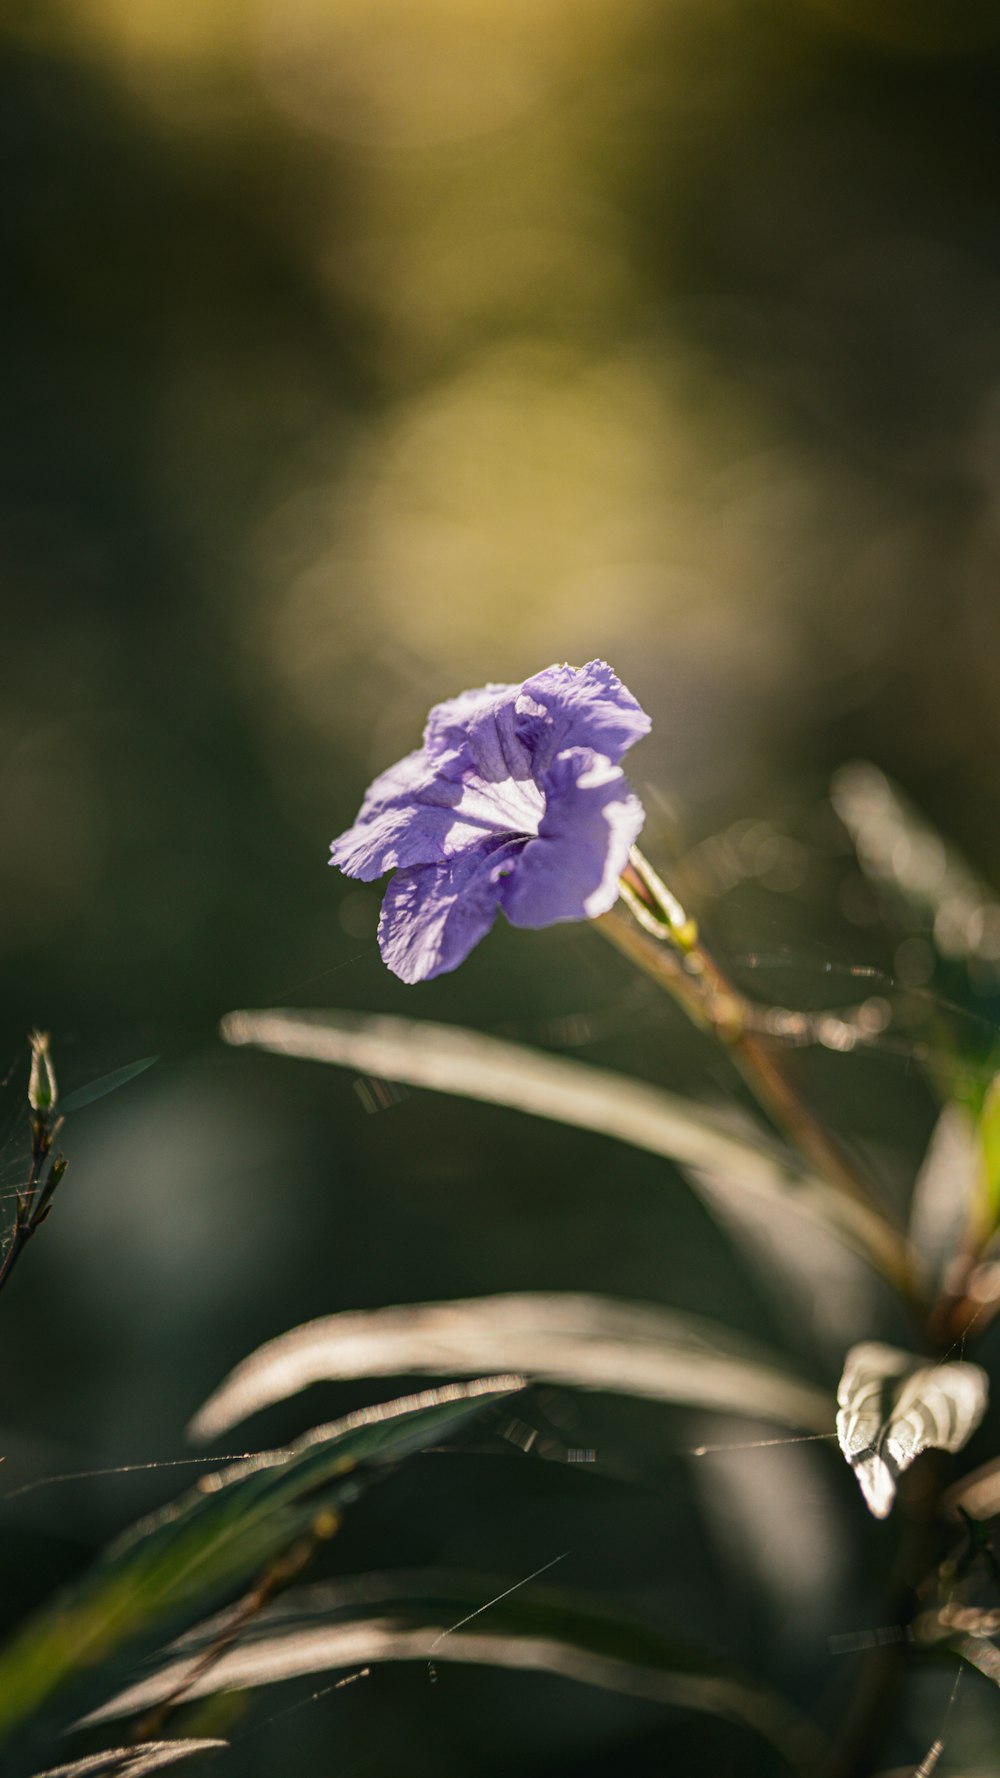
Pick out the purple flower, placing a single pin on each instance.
(515, 801)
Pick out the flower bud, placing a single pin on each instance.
(42, 1089)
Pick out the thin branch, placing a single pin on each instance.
(656, 934)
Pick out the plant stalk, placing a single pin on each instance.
(656, 934)
(34, 1199)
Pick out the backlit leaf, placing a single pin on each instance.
(447, 1059)
(590, 1342)
(353, 1626)
(893, 1407)
(946, 1188)
(132, 1762)
(928, 881)
(219, 1537)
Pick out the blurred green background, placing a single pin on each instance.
(355, 353)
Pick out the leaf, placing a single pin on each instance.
(926, 1768)
(989, 1134)
(981, 1654)
(590, 1342)
(220, 1536)
(818, 1288)
(929, 881)
(977, 1494)
(132, 1762)
(447, 1059)
(775, 1521)
(107, 1083)
(893, 1407)
(402, 1618)
(945, 1190)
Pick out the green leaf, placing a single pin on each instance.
(107, 1083)
(989, 1131)
(447, 1059)
(956, 1198)
(589, 1342)
(219, 1537)
(423, 1617)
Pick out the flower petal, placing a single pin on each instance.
(432, 916)
(571, 871)
(578, 707)
(415, 813)
(476, 732)
(406, 819)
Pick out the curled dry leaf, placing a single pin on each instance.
(893, 1407)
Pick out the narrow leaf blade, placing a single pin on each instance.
(589, 1342)
(107, 1083)
(218, 1537)
(134, 1761)
(945, 1192)
(557, 1634)
(447, 1059)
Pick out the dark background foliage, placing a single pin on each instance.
(354, 354)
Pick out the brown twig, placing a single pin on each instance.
(649, 926)
(278, 1575)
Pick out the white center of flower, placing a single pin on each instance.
(512, 805)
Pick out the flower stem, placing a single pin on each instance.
(656, 934)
